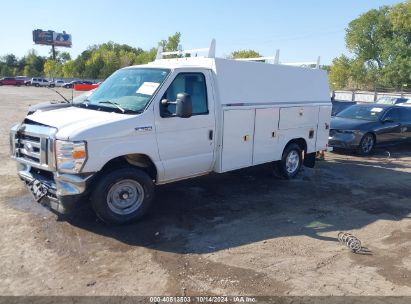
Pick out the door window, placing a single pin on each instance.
(405, 115)
(192, 84)
(392, 115)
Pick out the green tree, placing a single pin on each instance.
(339, 75)
(34, 64)
(52, 68)
(171, 44)
(380, 41)
(244, 54)
(68, 69)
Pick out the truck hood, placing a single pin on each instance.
(72, 121)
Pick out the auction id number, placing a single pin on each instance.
(170, 299)
(188, 299)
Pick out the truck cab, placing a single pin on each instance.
(169, 120)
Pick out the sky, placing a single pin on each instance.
(302, 30)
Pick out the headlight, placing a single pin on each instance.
(348, 131)
(70, 156)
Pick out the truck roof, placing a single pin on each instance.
(250, 82)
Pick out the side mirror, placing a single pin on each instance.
(184, 106)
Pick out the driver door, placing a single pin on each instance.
(186, 145)
(391, 127)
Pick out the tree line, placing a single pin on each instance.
(379, 42)
(380, 45)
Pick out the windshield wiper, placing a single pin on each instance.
(115, 104)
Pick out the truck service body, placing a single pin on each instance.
(203, 115)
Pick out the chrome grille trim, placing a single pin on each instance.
(33, 145)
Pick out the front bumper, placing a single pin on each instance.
(61, 192)
(344, 140)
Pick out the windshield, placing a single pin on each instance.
(371, 113)
(128, 90)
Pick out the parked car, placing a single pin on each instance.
(363, 126)
(11, 81)
(391, 100)
(69, 85)
(41, 82)
(167, 121)
(59, 83)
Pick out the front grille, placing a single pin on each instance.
(33, 145)
(29, 147)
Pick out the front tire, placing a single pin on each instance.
(290, 163)
(123, 195)
(367, 144)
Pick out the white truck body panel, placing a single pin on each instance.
(237, 148)
(266, 146)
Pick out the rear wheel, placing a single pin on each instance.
(122, 196)
(36, 85)
(367, 144)
(290, 163)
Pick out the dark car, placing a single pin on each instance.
(71, 84)
(363, 126)
(11, 81)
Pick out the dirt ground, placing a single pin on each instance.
(239, 233)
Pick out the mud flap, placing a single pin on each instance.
(309, 160)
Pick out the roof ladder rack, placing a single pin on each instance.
(276, 59)
(210, 51)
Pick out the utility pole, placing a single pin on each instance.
(53, 49)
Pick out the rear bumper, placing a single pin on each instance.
(60, 192)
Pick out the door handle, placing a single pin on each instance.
(210, 135)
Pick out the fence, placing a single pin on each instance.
(367, 96)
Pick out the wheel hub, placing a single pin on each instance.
(125, 197)
(292, 162)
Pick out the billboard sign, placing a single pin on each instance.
(52, 38)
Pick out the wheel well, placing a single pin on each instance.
(300, 142)
(141, 161)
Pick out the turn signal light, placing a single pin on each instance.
(79, 154)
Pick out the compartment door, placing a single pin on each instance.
(238, 136)
(266, 146)
(323, 129)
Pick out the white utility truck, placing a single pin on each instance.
(170, 120)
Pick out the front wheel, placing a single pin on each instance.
(367, 144)
(123, 195)
(290, 163)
